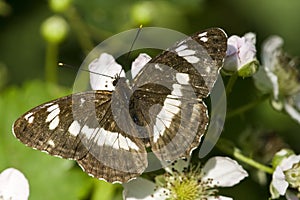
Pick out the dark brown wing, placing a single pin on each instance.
(82, 127)
(185, 73)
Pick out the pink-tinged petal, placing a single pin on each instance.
(223, 171)
(232, 60)
(279, 182)
(139, 63)
(219, 198)
(142, 189)
(241, 52)
(102, 67)
(247, 53)
(13, 185)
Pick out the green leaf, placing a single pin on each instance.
(49, 177)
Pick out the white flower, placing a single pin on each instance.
(279, 76)
(108, 69)
(13, 185)
(190, 185)
(241, 55)
(286, 174)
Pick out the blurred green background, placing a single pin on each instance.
(25, 83)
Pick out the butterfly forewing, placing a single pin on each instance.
(82, 127)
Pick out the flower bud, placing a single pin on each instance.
(59, 5)
(54, 29)
(241, 55)
(142, 13)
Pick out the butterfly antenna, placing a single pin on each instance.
(85, 70)
(131, 47)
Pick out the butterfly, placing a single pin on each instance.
(108, 132)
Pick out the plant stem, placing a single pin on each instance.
(231, 83)
(51, 62)
(246, 107)
(238, 155)
(227, 147)
(81, 31)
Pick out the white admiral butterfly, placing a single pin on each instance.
(107, 132)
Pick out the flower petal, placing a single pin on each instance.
(219, 198)
(288, 162)
(262, 81)
(279, 182)
(270, 51)
(178, 165)
(247, 51)
(294, 113)
(142, 189)
(102, 67)
(241, 55)
(223, 171)
(271, 48)
(13, 185)
(139, 63)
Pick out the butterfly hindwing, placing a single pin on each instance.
(185, 73)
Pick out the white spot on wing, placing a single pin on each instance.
(174, 102)
(30, 119)
(131, 144)
(165, 116)
(74, 128)
(191, 59)
(54, 123)
(51, 143)
(110, 138)
(88, 132)
(101, 137)
(116, 144)
(182, 78)
(207, 69)
(181, 47)
(159, 129)
(204, 39)
(176, 90)
(53, 107)
(82, 100)
(54, 111)
(186, 52)
(122, 142)
(28, 115)
(114, 140)
(202, 34)
(46, 105)
(156, 66)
